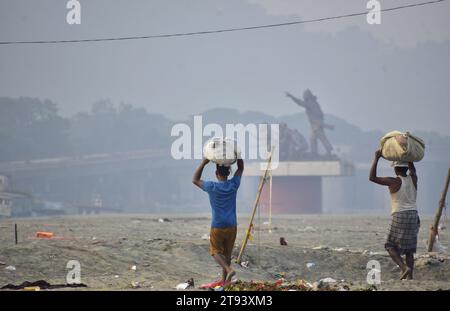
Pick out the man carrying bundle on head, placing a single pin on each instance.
(402, 236)
(222, 197)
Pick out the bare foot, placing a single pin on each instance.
(406, 271)
(410, 275)
(230, 275)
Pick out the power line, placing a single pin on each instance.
(206, 32)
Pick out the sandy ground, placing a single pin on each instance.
(167, 253)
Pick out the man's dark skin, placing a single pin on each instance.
(225, 263)
(394, 184)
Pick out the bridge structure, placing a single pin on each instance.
(139, 179)
(152, 181)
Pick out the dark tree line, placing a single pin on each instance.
(31, 128)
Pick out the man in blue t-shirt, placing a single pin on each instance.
(222, 197)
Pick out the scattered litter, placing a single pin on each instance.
(328, 280)
(188, 284)
(135, 284)
(310, 265)
(41, 284)
(205, 237)
(44, 235)
(320, 247)
(191, 282)
(280, 275)
(182, 286)
(325, 284)
(438, 256)
(376, 253)
(133, 268)
(268, 286)
(10, 268)
(218, 289)
(299, 285)
(164, 220)
(422, 262)
(244, 264)
(307, 229)
(438, 247)
(340, 249)
(212, 285)
(116, 276)
(283, 241)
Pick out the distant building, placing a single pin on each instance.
(7, 195)
(5, 200)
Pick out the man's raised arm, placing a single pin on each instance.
(412, 169)
(196, 179)
(385, 181)
(412, 172)
(240, 165)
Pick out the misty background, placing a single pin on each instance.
(75, 100)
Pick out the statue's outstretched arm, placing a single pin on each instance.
(298, 101)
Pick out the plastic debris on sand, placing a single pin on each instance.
(185, 285)
(244, 264)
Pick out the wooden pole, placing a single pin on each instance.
(15, 233)
(270, 201)
(255, 206)
(435, 226)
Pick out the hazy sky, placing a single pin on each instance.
(390, 76)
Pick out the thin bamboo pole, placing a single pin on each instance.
(270, 201)
(434, 227)
(255, 206)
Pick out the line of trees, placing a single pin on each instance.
(32, 128)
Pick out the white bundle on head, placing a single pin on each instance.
(222, 151)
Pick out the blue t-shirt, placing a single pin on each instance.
(222, 196)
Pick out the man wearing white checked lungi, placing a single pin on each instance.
(402, 236)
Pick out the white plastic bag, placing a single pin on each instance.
(222, 151)
(438, 247)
